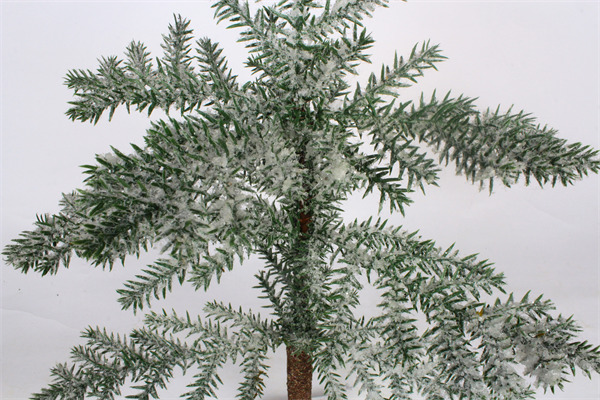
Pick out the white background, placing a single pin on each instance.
(541, 56)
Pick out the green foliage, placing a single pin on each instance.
(262, 168)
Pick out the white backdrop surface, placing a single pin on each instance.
(541, 56)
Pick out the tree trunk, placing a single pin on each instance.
(299, 375)
(299, 363)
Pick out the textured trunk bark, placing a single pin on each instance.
(299, 375)
(299, 364)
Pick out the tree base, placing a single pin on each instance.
(299, 375)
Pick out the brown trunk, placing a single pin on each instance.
(299, 364)
(299, 375)
(305, 220)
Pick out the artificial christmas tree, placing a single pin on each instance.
(261, 169)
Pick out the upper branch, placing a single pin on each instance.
(489, 144)
(338, 16)
(165, 192)
(137, 83)
(401, 74)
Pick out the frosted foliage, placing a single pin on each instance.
(262, 168)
